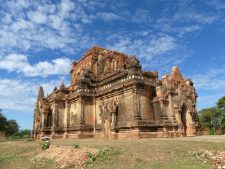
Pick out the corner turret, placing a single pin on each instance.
(40, 93)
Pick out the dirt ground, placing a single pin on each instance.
(205, 138)
(202, 152)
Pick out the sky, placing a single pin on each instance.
(39, 40)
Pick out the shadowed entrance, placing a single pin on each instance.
(184, 119)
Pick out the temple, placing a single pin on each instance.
(111, 96)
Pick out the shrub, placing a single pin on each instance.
(8, 127)
(212, 131)
(45, 145)
(21, 134)
(30, 139)
(91, 157)
(76, 146)
(103, 154)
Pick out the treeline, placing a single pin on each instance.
(10, 128)
(213, 118)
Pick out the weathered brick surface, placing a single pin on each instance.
(110, 96)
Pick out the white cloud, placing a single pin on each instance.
(66, 6)
(160, 45)
(36, 25)
(13, 62)
(20, 95)
(189, 29)
(108, 16)
(218, 4)
(156, 51)
(212, 80)
(19, 63)
(7, 18)
(16, 95)
(208, 100)
(194, 16)
(145, 47)
(186, 17)
(37, 17)
(141, 16)
(211, 86)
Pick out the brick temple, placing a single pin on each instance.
(111, 96)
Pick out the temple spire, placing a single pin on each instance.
(40, 93)
(62, 86)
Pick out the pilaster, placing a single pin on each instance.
(67, 119)
(136, 103)
(82, 117)
(54, 118)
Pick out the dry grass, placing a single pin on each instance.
(65, 156)
(125, 154)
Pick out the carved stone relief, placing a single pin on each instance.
(101, 67)
(100, 78)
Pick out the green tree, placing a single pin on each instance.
(223, 122)
(12, 127)
(3, 122)
(22, 134)
(221, 103)
(214, 118)
(210, 118)
(8, 127)
(221, 107)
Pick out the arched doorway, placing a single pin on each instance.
(184, 119)
(49, 118)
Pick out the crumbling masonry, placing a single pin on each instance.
(110, 96)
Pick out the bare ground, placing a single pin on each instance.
(166, 153)
(65, 156)
(205, 138)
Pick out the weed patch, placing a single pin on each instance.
(45, 145)
(103, 155)
(76, 146)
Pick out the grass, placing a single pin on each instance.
(114, 154)
(76, 146)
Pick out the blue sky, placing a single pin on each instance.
(39, 40)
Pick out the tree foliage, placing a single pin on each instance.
(12, 127)
(214, 118)
(210, 118)
(8, 127)
(221, 107)
(22, 134)
(223, 122)
(221, 103)
(3, 122)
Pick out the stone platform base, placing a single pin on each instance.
(120, 135)
(142, 135)
(78, 135)
(123, 134)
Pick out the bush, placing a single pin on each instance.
(91, 157)
(105, 153)
(76, 146)
(212, 131)
(8, 127)
(45, 145)
(21, 134)
(30, 139)
(102, 155)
